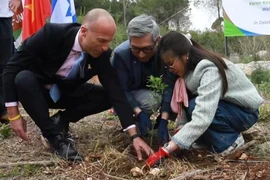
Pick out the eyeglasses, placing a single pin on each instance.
(147, 49)
(174, 62)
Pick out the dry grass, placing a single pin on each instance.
(108, 154)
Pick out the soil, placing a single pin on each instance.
(109, 154)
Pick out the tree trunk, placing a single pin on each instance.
(124, 11)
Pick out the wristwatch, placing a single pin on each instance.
(134, 136)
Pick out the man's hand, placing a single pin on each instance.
(19, 127)
(162, 130)
(156, 158)
(145, 123)
(139, 145)
(14, 5)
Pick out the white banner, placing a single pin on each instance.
(246, 17)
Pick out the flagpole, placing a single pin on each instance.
(226, 46)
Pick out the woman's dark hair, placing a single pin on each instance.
(180, 45)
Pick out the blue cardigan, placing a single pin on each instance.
(130, 72)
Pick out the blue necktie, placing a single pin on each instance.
(76, 68)
(55, 92)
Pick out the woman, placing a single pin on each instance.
(222, 102)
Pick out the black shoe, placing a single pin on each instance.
(64, 148)
(62, 126)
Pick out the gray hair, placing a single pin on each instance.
(142, 25)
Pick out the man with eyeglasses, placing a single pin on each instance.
(135, 60)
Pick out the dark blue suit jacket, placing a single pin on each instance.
(130, 74)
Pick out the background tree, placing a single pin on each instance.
(176, 11)
(214, 6)
(217, 25)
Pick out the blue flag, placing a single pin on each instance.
(63, 11)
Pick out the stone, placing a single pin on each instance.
(254, 65)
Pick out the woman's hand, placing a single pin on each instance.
(157, 158)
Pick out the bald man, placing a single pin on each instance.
(51, 71)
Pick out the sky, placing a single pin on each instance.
(201, 18)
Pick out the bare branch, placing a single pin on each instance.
(190, 174)
(23, 163)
